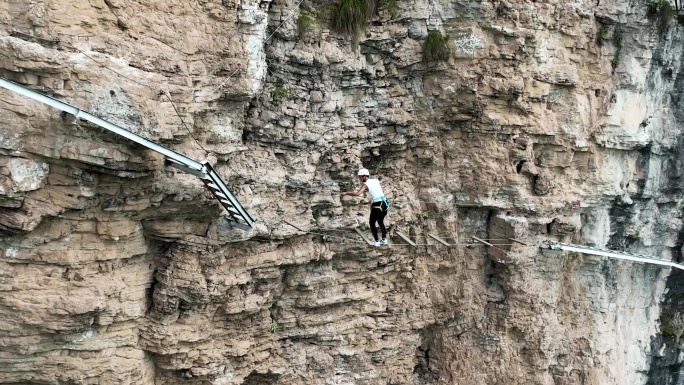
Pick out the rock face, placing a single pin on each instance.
(117, 270)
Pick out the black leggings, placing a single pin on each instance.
(378, 212)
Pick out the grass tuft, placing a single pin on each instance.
(615, 63)
(391, 6)
(600, 36)
(306, 23)
(436, 47)
(662, 11)
(350, 17)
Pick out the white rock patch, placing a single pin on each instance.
(27, 175)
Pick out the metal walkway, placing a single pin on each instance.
(236, 213)
(558, 247)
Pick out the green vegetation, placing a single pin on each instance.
(600, 36)
(274, 326)
(662, 11)
(325, 238)
(540, 159)
(658, 6)
(316, 215)
(436, 47)
(666, 326)
(617, 200)
(350, 17)
(390, 6)
(424, 214)
(306, 23)
(593, 135)
(617, 36)
(503, 10)
(672, 325)
(284, 92)
(615, 63)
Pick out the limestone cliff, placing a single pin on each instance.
(117, 270)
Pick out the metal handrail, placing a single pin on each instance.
(204, 170)
(612, 254)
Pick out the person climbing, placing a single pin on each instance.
(379, 205)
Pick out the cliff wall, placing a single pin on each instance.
(117, 270)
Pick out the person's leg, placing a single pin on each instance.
(373, 218)
(381, 218)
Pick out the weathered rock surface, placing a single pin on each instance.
(116, 270)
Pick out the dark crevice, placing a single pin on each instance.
(261, 379)
(519, 166)
(424, 369)
(149, 293)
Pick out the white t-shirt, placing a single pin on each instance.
(374, 189)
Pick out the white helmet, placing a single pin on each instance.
(364, 172)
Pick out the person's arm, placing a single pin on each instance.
(356, 193)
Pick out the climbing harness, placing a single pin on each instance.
(378, 203)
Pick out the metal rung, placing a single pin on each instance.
(211, 185)
(220, 194)
(225, 193)
(438, 239)
(239, 225)
(405, 238)
(182, 167)
(227, 204)
(517, 241)
(363, 236)
(483, 241)
(232, 211)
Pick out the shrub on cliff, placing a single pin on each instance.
(661, 11)
(306, 24)
(350, 17)
(391, 6)
(436, 47)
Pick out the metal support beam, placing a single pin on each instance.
(204, 171)
(182, 167)
(613, 254)
(224, 189)
(517, 241)
(363, 236)
(438, 239)
(483, 242)
(75, 111)
(405, 238)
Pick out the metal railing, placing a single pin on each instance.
(611, 254)
(238, 215)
